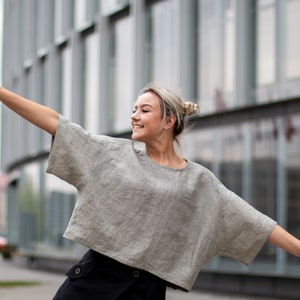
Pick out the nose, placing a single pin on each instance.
(135, 115)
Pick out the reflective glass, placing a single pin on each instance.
(29, 206)
(264, 173)
(122, 68)
(162, 43)
(92, 70)
(231, 157)
(292, 39)
(197, 145)
(265, 40)
(292, 138)
(217, 55)
(64, 14)
(67, 82)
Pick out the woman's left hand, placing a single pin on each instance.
(284, 240)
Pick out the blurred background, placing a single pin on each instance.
(88, 59)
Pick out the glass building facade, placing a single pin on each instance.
(88, 59)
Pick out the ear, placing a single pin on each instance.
(169, 122)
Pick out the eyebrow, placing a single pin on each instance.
(143, 105)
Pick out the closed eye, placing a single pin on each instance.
(143, 110)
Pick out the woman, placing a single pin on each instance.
(149, 217)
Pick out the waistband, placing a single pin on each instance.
(117, 266)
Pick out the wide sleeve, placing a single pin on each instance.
(73, 153)
(243, 230)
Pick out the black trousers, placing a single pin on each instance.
(97, 277)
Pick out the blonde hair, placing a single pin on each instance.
(172, 104)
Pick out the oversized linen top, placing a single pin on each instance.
(167, 221)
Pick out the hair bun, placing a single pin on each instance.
(190, 108)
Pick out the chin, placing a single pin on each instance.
(136, 138)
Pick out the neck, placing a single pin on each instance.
(164, 154)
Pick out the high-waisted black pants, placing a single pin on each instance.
(97, 277)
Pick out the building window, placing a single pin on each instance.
(64, 14)
(197, 145)
(264, 173)
(264, 165)
(29, 31)
(277, 49)
(91, 90)
(265, 48)
(66, 54)
(230, 140)
(58, 212)
(121, 70)
(217, 54)
(292, 48)
(161, 36)
(45, 26)
(85, 11)
(291, 125)
(29, 206)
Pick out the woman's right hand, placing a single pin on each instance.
(39, 115)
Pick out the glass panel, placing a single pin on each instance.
(14, 59)
(277, 49)
(162, 41)
(85, 11)
(92, 9)
(292, 134)
(59, 209)
(231, 157)
(60, 199)
(292, 49)
(92, 68)
(197, 145)
(220, 150)
(122, 65)
(80, 13)
(292, 39)
(224, 149)
(29, 27)
(41, 24)
(266, 45)
(217, 55)
(30, 209)
(229, 50)
(58, 18)
(67, 82)
(63, 18)
(264, 173)
(265, 49)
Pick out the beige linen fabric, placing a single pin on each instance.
(169, 222)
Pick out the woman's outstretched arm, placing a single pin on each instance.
(39, 115)
(284, 240)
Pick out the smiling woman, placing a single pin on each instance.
(146, 119)
(158, 119)
(149, 217)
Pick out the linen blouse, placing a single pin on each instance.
(167, 221)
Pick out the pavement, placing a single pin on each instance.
(48, 283)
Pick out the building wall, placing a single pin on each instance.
(239, 60)
(2, 213)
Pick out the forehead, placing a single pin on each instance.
(148, 98)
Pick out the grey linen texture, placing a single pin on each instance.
(166, 221)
